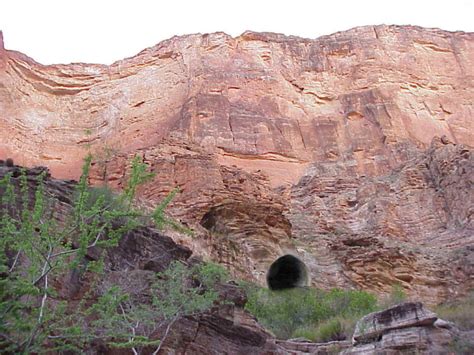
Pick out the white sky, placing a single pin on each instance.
(101, 31)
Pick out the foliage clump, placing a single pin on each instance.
(310, 313)
(37, 250)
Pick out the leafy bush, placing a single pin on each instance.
(36, 250)
(298, 311)
(209, 274)
(286, 310)
(332, 329)
(128, 323)
(111, 199)
(161, 220)
(174, 295)
(461, 313)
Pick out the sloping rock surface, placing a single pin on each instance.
(405, 315)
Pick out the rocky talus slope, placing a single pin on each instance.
(323, 148)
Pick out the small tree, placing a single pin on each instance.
(36, 250)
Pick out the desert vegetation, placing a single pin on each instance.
(38, 249)
(310, 313)
(461, 313)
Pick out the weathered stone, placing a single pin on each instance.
(307, 347)
(366, 96)
(419, 340)
(406, 328)
(374, 325)
(231, 293)
(227, 327)
(146, 249)
(223, 330)
(412, 227)
(427, 339)
(140, 253)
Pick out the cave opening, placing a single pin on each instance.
(287, 272)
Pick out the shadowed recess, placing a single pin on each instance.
(287, 272)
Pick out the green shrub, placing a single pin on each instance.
(209, 274)
(299, 311)
(161, 220)
(461, 313)
(36, 251)
(173, 295)
(286, 310)
(330, 330)
(349, 302)
(111, 199)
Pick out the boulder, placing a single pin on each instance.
(407, 327)
(405, 315)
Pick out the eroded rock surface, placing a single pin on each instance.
(405, 328)
(279, 144)
(413, 226)
(226, 329)
(373, 326)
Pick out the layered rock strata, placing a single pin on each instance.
(319, 148)
(131, 265)
(406, 328)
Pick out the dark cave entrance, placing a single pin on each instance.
(287, 272)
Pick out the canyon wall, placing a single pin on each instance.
(352, 151)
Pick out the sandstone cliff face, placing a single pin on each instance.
(413, 226)
(280, 144)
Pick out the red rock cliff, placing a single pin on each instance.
(317, 147)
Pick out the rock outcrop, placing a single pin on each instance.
(322, 148)
(407, 327)
(402, 329)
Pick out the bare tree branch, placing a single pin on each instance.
(132, 338)
(177, 315)
(14, 261)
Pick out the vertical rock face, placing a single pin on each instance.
(259, 100)
(280, 144)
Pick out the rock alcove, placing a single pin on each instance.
(287, 272)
